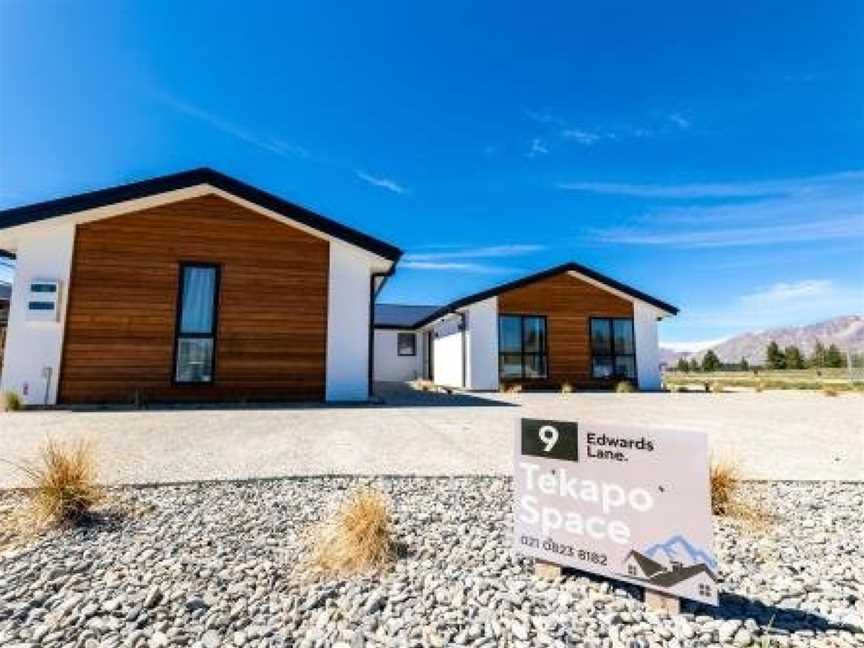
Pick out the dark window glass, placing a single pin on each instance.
(43, 288)
(522, 346)
(406, 344)
(510, 334)
(623, 335)
(613, 351)
(40, 305)
(196, 325)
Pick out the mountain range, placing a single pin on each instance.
(677, 549)
(846, 331)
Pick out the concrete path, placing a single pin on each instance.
(772, 435)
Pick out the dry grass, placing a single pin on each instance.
(718, 387)
(10, 401)
(759, 387)
(63, 484)
(830, 391)
(511, 388)
(358, 537)
(421, 384)
(566, 388)
(625, 387)
(726, 497)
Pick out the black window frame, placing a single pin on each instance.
(613, 354)
(213, 334)
(399, 344)
(523, 354)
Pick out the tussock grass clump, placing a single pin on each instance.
(511, 388)
(726, 497)
(718, 388)
(625, 387)
(357, 538)
(566, 387)
(10, 401)
(63, 482)
(829, 390)
(421, 384)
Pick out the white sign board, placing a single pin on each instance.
(626, 502)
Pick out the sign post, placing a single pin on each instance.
(626, 502)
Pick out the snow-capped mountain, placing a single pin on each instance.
(678, 550)
(847, 332)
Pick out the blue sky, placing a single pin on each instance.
(710, 155)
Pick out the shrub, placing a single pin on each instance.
(566, 388)
(828, 390)
(625, 387)
(726, 499)
(10, 401)
(64, 483)
(357, 538)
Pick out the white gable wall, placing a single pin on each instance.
(447, 352)
(31, 359)
(482, 345)
(647, 345)
(389, 365)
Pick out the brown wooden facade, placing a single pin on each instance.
(271, 336)
(568, 303)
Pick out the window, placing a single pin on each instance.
(631, 569)
(522, 346)
(704, 590)
(406, 344)
(613, 353)
(196, 323)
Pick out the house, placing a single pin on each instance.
(638, 565)
(191, 286)
(566, 324)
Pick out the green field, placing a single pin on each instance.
(766, 379)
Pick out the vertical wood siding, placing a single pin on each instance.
(567, 303)
(272, 326)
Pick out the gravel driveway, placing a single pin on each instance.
(773, 435)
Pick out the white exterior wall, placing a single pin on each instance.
(647, 345)
(348, 324)
(389, 365)
(482, 344)
(34, 349)
(447, 352)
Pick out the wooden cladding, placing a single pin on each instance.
(271, 338)
(567, 302)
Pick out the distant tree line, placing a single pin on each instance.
(789, 357)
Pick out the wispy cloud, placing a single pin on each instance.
(580, 136)
(445, 266)
(468, 259)
(544, 117)
(537, 148)
(816, 208)
(677, 119)
(485, 252)
(274, 145)
(384, 183)
(788, 291)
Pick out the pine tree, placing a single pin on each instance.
(774, 357)
(683, 366)
(833, 357)
(694, 364)
(818, 357)
(794, 359)
(710, 361)
(744, 365)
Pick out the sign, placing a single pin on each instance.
(626, 502)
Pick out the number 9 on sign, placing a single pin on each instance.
(549, 436)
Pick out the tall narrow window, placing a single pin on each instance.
(613, 353)
(196, 323)
(522, 346)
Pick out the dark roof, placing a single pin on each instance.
(401, 316)
(182, 180)
(545, 274)
(649, 567)
(5, 291)
(675, 576)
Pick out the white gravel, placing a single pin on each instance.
(772, 435)
(219, 564)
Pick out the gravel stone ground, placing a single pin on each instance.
(220, 564)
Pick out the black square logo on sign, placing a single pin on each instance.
(552, 439)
